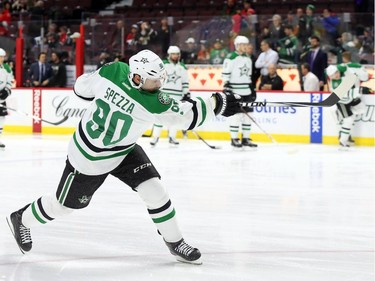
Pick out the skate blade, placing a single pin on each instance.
(341, 148)
(250, 148)
(196, 262)
(12, 230)
(237, 148)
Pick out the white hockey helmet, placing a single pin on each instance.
(240, 40)
(330, 70)
(147, 65)
(173, 50)
(2, 53)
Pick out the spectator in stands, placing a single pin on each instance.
(287, 46)
(218, 52)
(306, 24)
(247, 9)
(40, 72)
(317, 59)
(366, 51)
(58, 78)
(272, 81)
(266, 58)
(5, 19)
(330, 23)
(255, 71)
(290, 20)
(230, 8)
(203, 55)
(147, 36)
(131, 38)
(310, 83)
(163, 37)
(63, 35)
(103, 59)
(116, 36)
(19, 6)
(189, 54)
(276, 31)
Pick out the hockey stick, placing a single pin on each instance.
(256, 123)
(209, 145)
(36, 117)
(346, 84)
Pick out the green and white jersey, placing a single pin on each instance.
(358, 70)
(119, 115)
(352, 94)
(177, 82)
(237, 70)
(6, 76)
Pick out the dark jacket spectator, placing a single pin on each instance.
(272, 81)
(59, 71)
(40, 72)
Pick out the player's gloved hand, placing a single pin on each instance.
(4, 93)
(227, 88)
(186, 97)
(227, 104)
(253, 95)
(366, 91)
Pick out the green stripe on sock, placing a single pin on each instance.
(66, 187)
(36, 214)
(166, 217)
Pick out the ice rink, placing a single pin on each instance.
(281, 213)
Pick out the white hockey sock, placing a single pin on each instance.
(43, 210)
(346, 127)
(157, 130)
(160, 208)
(246, 128)
(234, 125)
(172, 132)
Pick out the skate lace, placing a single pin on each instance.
(25, 234)
(184, 249)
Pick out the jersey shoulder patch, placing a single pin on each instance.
(232, 55)
(7, 68)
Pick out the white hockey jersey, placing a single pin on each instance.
(237, 70)
(118, 116)
(177, 82)
(6, 76)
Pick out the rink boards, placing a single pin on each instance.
(285, 124)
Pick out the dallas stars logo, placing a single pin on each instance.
(84, 199)
(244, 70)
(173, 77)
(144, 60)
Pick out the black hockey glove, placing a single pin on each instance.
(227, 88)
(4, 93)
(253, 95)
(186, 97)
(366, 91)
(227, 104)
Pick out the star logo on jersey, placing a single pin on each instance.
(144, 60)
(164, 98)
(244, 70)
(84, 199)
(173, 77)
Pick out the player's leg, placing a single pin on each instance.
(346, 124)
(138, 172)
(246, 128)
(75, 191)
(172, 135)
(156, 134)
(3, 113)
(234, 127)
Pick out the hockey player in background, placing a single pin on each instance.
(351, 104)
(176, 86)
(125, 101)
(237, 70)
(6, 79)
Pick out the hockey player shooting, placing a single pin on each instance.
(176, 86)
(126, 100)
(351, 104)
(236, 76)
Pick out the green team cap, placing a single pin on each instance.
(311, 7)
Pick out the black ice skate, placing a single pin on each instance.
(20, 232)
(184, 252)
(154, 141)
(351, 142)
(173, 141)
(344, 146)
(248, 143)
(2, 145)
(236, 143)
